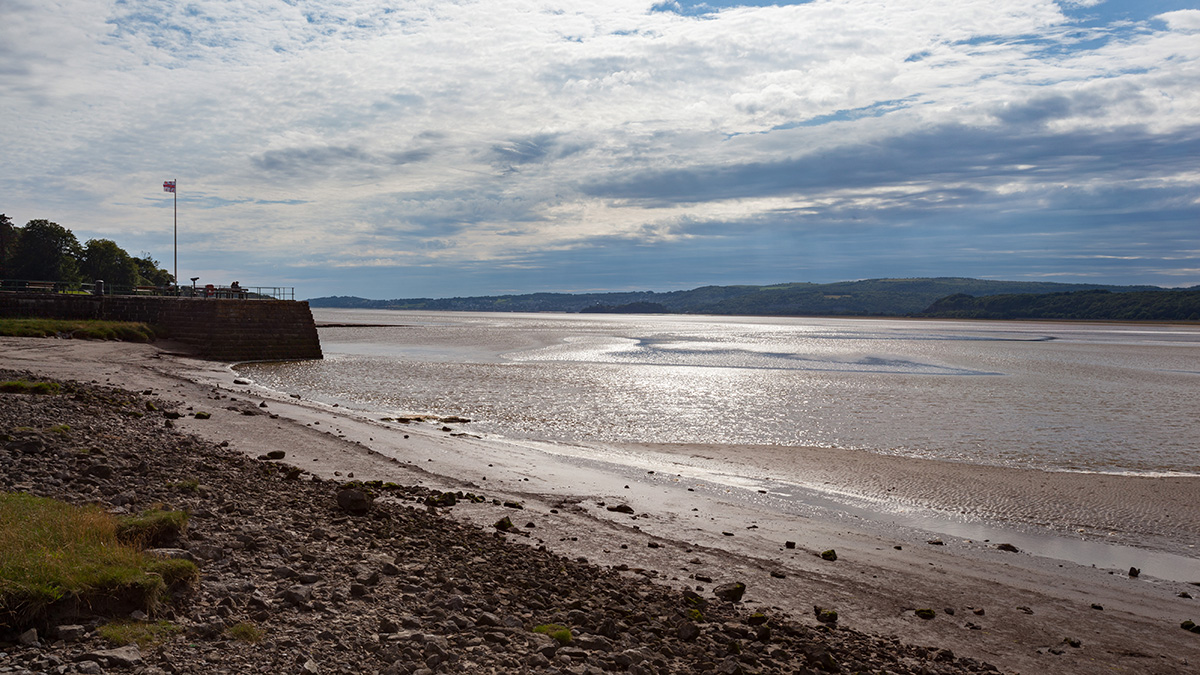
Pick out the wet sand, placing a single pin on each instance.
(706, 530)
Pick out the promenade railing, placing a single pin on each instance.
(207, 291)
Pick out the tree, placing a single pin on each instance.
(151, 273)
(103, 259)
(46, 251)
(8, 242)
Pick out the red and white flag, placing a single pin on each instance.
(168, 186)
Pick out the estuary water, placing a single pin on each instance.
(1119, 398)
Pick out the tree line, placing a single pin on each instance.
(46, 251)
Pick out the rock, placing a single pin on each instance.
(29, 637)
(203, 415)
(355, 502)
(298, 595)
(1025, 609)
(1097, 606)
(241, 381)
(310, 666)
(687, 631)
(925, 613)
(829, 555)
(936, 542)
(789, 544)
(778, 574)
(276, 454)
(1073, 642)
(170, 554)
(731, 592)
(621, 508)
(101, 471)
(504, 524)
(121, 657)
(1134, 572)
(70, 633)
(1008, 547)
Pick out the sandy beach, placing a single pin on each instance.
(689, 529)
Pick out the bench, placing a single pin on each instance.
(40, 286)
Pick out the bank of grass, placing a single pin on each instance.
(144, 634)
(51, 551)
(27, 387)
(125, 331)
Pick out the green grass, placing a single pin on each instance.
(245, 632)
(151, 528)
(126, 331)
(52, 551)
(144, 634)
(560, 633)
(26, 387)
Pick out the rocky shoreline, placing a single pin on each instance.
(397, 588)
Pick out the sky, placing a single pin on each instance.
(438, 148)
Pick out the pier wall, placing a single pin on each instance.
(218, 329)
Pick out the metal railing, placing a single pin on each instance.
(207, 291)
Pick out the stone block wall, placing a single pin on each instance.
(219, 329)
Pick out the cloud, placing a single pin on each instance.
(522, 135)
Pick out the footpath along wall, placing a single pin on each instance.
(218, 329)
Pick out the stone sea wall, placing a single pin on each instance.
(218, 329)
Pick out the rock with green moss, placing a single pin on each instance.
(829, 555)
(926, 613)
(826, 616)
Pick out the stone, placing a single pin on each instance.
(925, 613)
(355, 502)
(789, 544)
(276, 454)
(1008, 547)
(29, 637)
(687, 631)
(731, 592)
(298, 595)
(70, 633)
(128, 656)
(621, 508)
(101, 471)
(830, 555)
(1134, 572)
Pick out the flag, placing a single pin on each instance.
(168, 186)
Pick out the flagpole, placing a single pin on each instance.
(175, 195)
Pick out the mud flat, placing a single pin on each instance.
(699, 517)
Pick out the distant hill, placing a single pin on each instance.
(1098, 305)
(871, 297)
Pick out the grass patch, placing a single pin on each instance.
(144, 634)
(562, 634)
(51, 551)
(152, 528)
(26, 387)
(245, 632)
(126, 331)
(188, 485)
